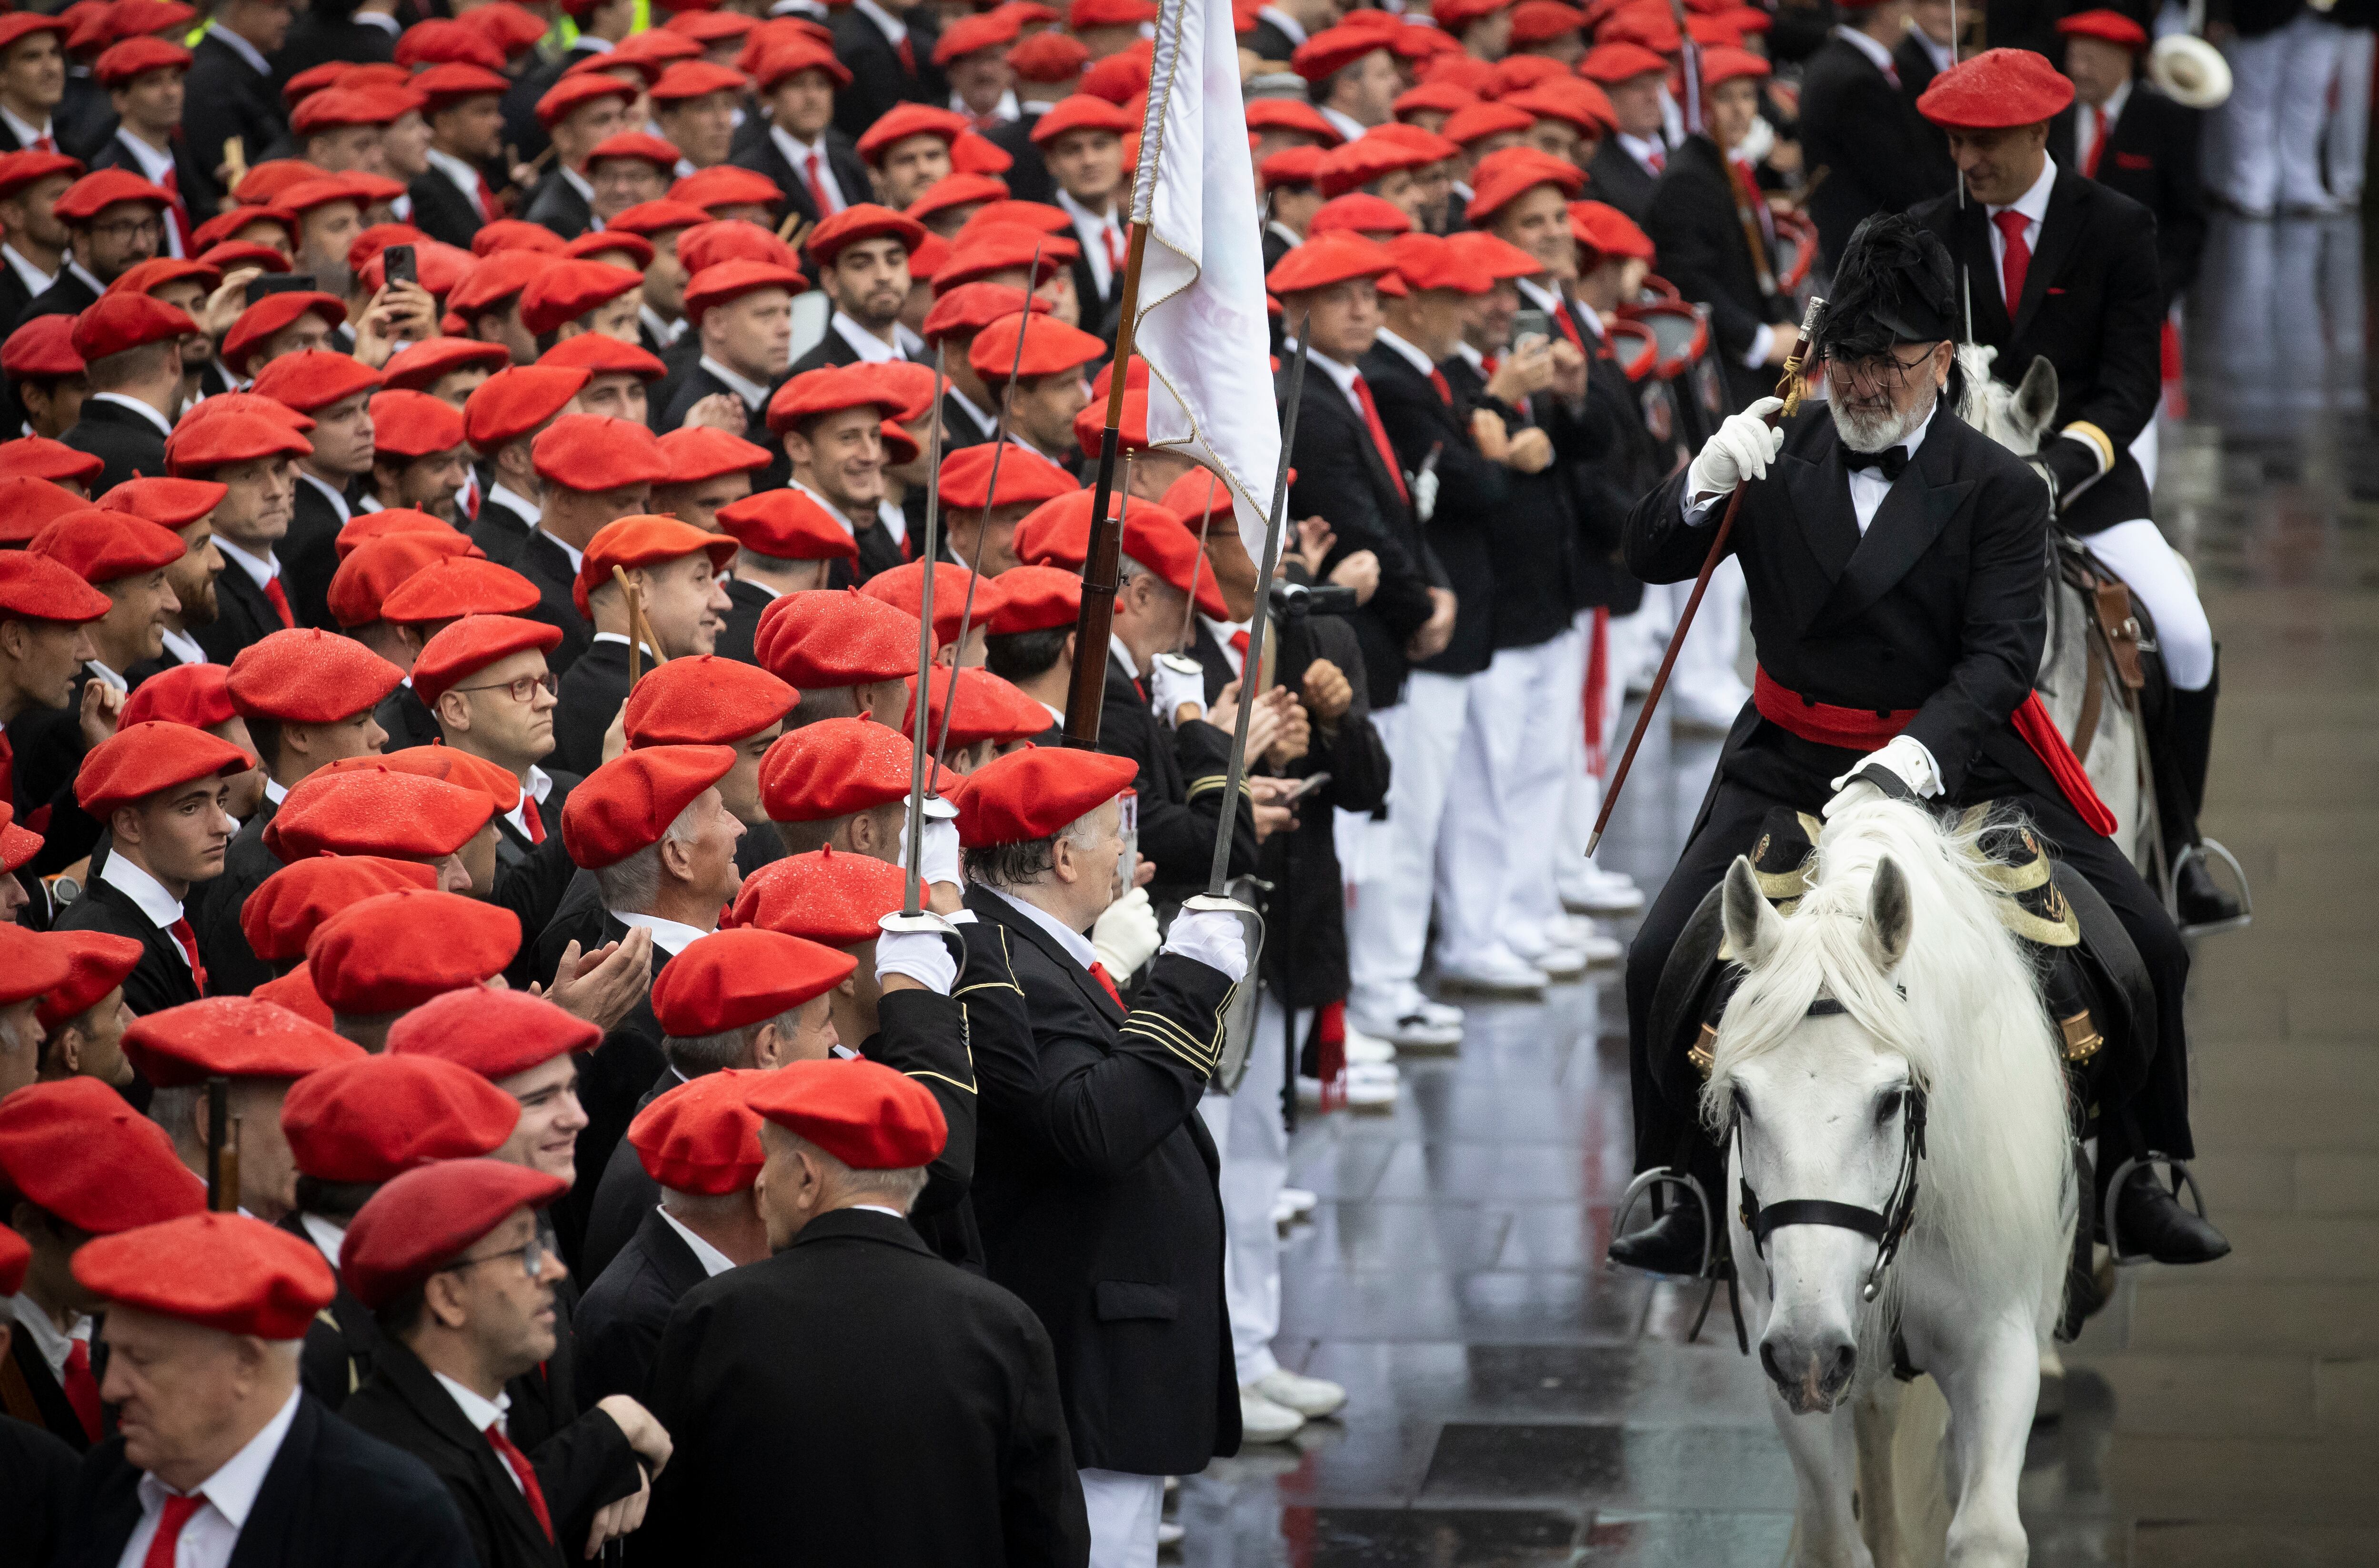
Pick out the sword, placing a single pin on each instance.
(912, 892)
(1100, 565)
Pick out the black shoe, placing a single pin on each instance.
(2151, 1221)
(1669, 1244)
(2197, 898)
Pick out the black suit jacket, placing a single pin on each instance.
(30, 1394)
(557, 206)
(621, 1316)
(224, 96)
(878, 78)
(2152, 157)
(232, 968)
(1880, 156)
(831, 352)
(592, 690)
(2093, 306)
(542, 562)
(69, 296)
(127, 442)
(162, 978)
(906, 1368)
(1180, 785)
(332, 1495)
(1536, 537)
(1095, 1184)
(442, 211)
(962, 427)
(316, 38)
(744, 603)
(37, 1482)
(499, 531)
(409, 723)
(1698, 228)
(342, 1341)
(700, 383)
(1471, 491)
(243, 616)
(1613, 175)
(1937, 607)
(1028, 178)
(309, 557)
(613, 1080)
(1915, 63)
(757, 151)
(1268, 42)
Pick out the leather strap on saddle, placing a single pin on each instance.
(1865, 729)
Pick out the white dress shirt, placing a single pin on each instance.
(53, 1342)
(1290, 28)
(246, 50)
(1870, 48)
(28, 135)
(1092, 228)
(754, 395)
(538, 785)
(664, 332)
(1346, 125)
(326, 1237)
(1342, 378)
(159, 907)
(2034, 205)
(183, 646)
(798, 153)
(1077, 946)
(670, 936)
(1405, 352)
(577, 557)
(102, 674)
(503, 495)
(894, 30)
(1868, 486)
(260, 568)
(463, 178)
(482, 1413)
(1006, 110)
(1650, 154)
(714, 1262)
(33, 277)
(871, 349)
(2086, 126)
(210, 1535)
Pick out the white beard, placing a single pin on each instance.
(1878, 432)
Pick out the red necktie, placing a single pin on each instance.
(812, 175)
(278, 597)
(529, 819)
(1239, 643)
(1568, 326)
(2097, 143)
(471, 497)
(81, 1388)
(1099, 974)
(2017, 260)
(1445, 392)
(1380, 438)
(188, 940)
(1657, 161)
(178, 216)
(908, 55)
(7, 771)
(1114, 250)
(46, 144)
(167, 1542)
(487, 208)
(524, 1472)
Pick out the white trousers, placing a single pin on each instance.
(1703, 686)
(2139, 556)
(1388, 865)
(2349, 126)
(1254, 1142)
(1507, 776)
(2271, 129)
(1125, 1511)
(1625, 639)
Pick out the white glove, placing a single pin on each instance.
(1424, 494)
(1214, 938)
(1126, 936)
(1174, 682)
(1903, 756)
(1742, 449)
(923, 956)
(1757, 143)
(938, 852)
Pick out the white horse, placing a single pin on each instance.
(2113, 753)
(1886, 1077)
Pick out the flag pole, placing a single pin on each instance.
(1100, 567)
(913, 900)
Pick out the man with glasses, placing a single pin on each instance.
(1894, 557)
(115, 220)
(485, 680)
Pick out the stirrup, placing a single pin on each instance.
(2182, 1177)
(1661, 1176)
(2210, 850)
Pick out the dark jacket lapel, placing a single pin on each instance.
(2058, 230)
(680, 1270)
(1821, 498)
(1913, 515)
(1980, 282)
(1029, 930)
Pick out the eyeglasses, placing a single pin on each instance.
(532, 1258)
(522, 690)
(1886, 370)
(131, 228)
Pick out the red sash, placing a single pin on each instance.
(1865, 729)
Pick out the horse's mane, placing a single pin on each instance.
(1971, 1027)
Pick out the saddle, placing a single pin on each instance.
(2093, 981)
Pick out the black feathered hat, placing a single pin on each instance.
(1894, 284)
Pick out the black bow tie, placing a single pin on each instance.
(1892, 460)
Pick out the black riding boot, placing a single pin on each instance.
(2183, 754)
(1673, 1243)
(2150, 1219)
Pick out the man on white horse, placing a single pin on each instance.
(2060, 266)
(1895, 559)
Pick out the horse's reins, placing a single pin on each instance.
(1887, 1227)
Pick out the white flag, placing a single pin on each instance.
(1202, 326)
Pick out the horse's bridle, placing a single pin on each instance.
(1887, 1227)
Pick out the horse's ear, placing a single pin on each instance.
(2036, 399)
(1888, 915)
(1753, 926)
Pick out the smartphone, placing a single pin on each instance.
(279, 282)
(1305, 786)
(400, 265)
(1530, 323)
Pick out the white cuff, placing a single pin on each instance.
(1761, 342)
(1697, 513)
(923, 956)
(1214, 938)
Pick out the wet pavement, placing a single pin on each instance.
(1515, 1404)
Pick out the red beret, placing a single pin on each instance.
(635, 542)
(904, 586)
(1048, 57)
(223, 404)
(230, 1037)
(600, 355)
(969, 34)
(21, 25)
(787, 524)
(1026, 477)
(699, 453)
(700, 1137)
(651, 218)
(295, 991)
(195, 695)
(275, 313)
(790, 57)
(230, 255)
(1724, 63)
(378, 812)
(1996, 89)
(862, 220)
(448, 764)
(1498, 258)
(1433, 97)
(76, 1149)
(516, 401)
(632, 251)
(283, 912)
(1612, 63)
(220, 440)
(170, 504)
(470, 645)
(1356, 214)
(626, 804)
(905, 120)
(97, 963)
(1119, 78)
(705, 701)
(864, 1115)
(379, 566)
(494, 1033)
(428, 1217)
(835, 767)
(1196, 497)
(513, 28)
(826, 638)
(736, 978)
(571, 93)
(1292, 114)
(642, 146)
(100, 546)
(140, 760)
(1051, 347)
(16, 844)
(1290, 166)
(1326, 260)
(726, 184)
(38, 457)
(370, 1121)
(825, 897)
(1082, 111)
(696, 78)
(1540, 22)
(1600, 227)
(499, 276)
(394, 951)
(222, 1272)
(409, 423)
(15, 1255)
(1332, 50)
(456, 586)
(1357, 164)
(42, 349)
(1037, 598)
(18, 169)
(723, 281)
(121, 321)
(707, 244)
(309, 676)
(1035, 794)
(28, 505)
(970, 307)
(366, 526)
(365, 105)
(145, 277)
(34, 587)
(593, 452)
(988, 708)
(956, 190)
(1503, 177)
(814, 393)
(563, 291)
(2113, 27)
(1000, 247)
(1428, 262)
(88, 197)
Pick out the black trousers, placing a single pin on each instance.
(2154, 1117)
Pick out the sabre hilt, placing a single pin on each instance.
(1791, 386)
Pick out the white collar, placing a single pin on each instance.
(77, 269)
(262, 569)
(275, 790)
(878, 1208)
(1909, 444)
(1346, 125)
(1411, 356)
(183, 646)
(161, 908)
(372, 503)
(329, 493)
(1341, 376)
(577, 557)
(670, 936)
(1125, 656)
(985, 420)
(714, 1262)
(894, 30)
(100, 672)
(2034, 203)
(1943, 55)
(578, 183)
(1006, 109)
(536, 786)
(1293, 238)
(755, 582)
(871, 349)
(461, 175)
(1643, 149)
(232, 1490)
(651, 657)
(154, 164)
(831, 509)
(34, 279)
(1471, 357)
(1868, 47)
(243, 48)
(592, 44)
(2113, 107)
(164, 426)
(478, 1409)
(53, 1342)
(1290, 28)
(328, 1237)
(503, 495)
(28, 135)
(753, 395)
(387, 24)
(1077, 946)
(666, 332)
(1087, 223)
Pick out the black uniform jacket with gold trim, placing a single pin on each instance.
(2093, 306)
(1095, 1188)
(1937, 607)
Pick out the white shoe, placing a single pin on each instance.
(1594, 891)
(1559, 961)
(1168, 1534)
(1299, 1202)
(1362, 1094)
(1442, 1013)
(1578, 934)
(1261, 1420)
(1498, 971)
(1410, 1028)
(1366, 1049)
(1374, 1072)
(1309, 1397)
